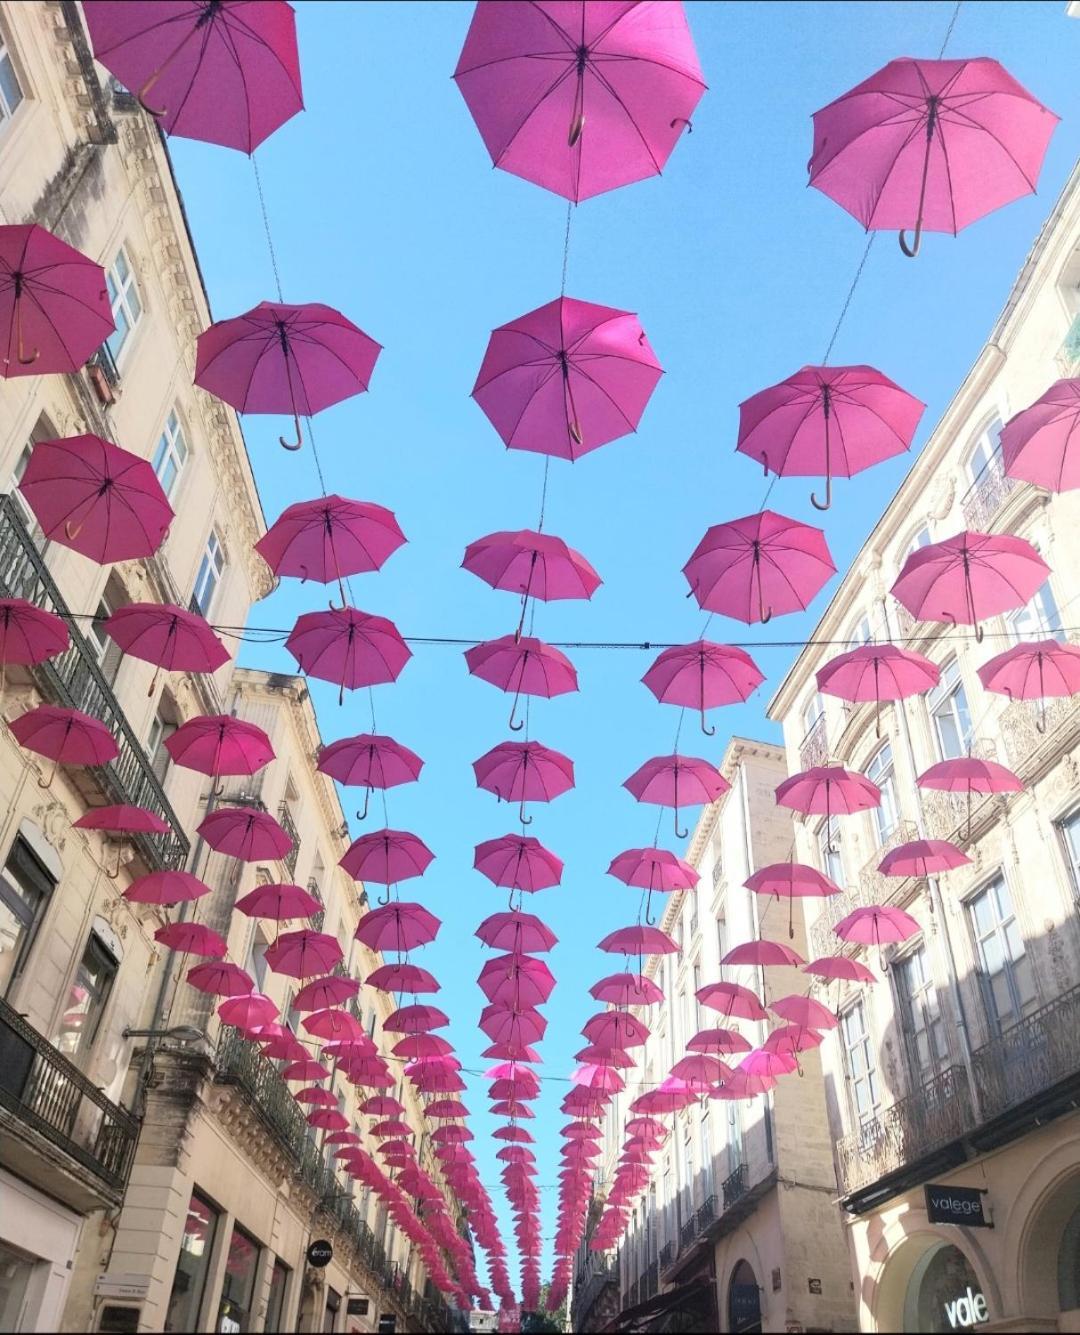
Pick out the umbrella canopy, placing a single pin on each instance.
(167, 636)
(402, 978)
(653, 869)
(873, 924)
(502, 1024)
(877, 672)
(248, 1010)
(517, 932)
(398, 926)
(930, 144)
(804, 1011)
(580, 98)
(702, 675)
(28, 635)
(333, 1023)
(1034, 671)
(227, 73)
(387, 856)
(523, 665)
(122, 819)
(566, 378)
(518, 979)
(638, 940)
(762, 952)
(348, 648)
(245, 833)
(828, 790)
(762, 1062)
(323, 992)
(518, 862)
(970, 577)
(676, 781)
(700, 1071)
(369, 761)
(218, 744)
(422, 1046)
(828, 421)
(759, 567)
(524, 772)
(278, 902)
(191, 938)
(791, 880)
(967, 775)
(279, 358)
(54, 305)
(64, 736)
(532, 564)
(733, 1001)
(616, 1029)
(221, 979)
(303, 954)
(921, 858)
(596, 1055)
(1042, 443)
(97, 499)
(627, 989)
(330, 538)
(839, 967)
(718, 1042)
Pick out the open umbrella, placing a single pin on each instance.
(386, 856)
(702, 675)
(348, 648)
(967, 775)
(402, 978)
(278, 358)
(303, 954)
(399, 926)
(225, 72)
(1034, 671)
(762, 952)
(792, 880)
(248, 1010)
(638, 940)
(758, 567)
(877, 672)
(97, 499)
(627, 989)
(333, 1023)
(192, 938)
(278, 902)
(718, 1042)
(839, 967)
(804, 1011)
(969, 577)
(245, 833)
(733, 1001)
(930, 144)
(218, 744)
(28, 635)
(830, 421)
(580, 98)
(54, 305)
(220, 979)
(532, 564)
(524, 772)
(503, 1024)
(523, 665)
(517, 932)
(64, 736)
(1042, 443)
(566, 378)
(518, 862)
(369, 761)
(874, 924)
(828, 790)
(323, 992)
(700, 1071)
(121, 819)
(652, 869)
(768, 1064)
(169, 637)
(616, 1029)
(676, 781)
(516, 978)
(921, 858)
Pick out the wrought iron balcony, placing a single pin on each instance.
(1031, 1057)
(650, 1282)
(74, 679)
(687, 1233)
(735, 1186)
(41, 1088)
(985, 496)
(667, 1255)
(597, 1276)
(814, 747)
(317, 919)
(285, 817)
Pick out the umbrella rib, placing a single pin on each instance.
(203, 47)
(228, 42)
(600, 79)
(1004, 148)
(593, 381)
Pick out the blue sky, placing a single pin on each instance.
(383, 203)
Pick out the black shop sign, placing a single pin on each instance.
(956, 1205)
(320, 1253)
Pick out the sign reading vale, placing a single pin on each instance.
(956, 1205)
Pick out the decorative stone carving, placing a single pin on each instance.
(54, 821)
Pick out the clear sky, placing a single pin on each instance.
(384, 204)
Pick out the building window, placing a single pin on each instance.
(256, 965)
(333, 1307)
(211, 569)
(862, 634)
(921, 539)
(1005, 969)
(161, 729)
(812, 713)
(1040, 619)
(87, 998)
(108, 652)
(11, 93)
(861, 1068)
(949, 711)
(275, 1304)
(1069, 831)
(189, 1281)
(234, 1314)
(25, 887)
(923, 1029)
(985, 456)
(125, 303)
(829, 850)
(886, 814)
(171, 454)
(42, 431)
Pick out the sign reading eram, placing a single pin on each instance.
(956, 1205)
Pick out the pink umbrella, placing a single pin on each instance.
(968, 774)
(743, 1085)
(64, 736)
(316, 1097)
(669, 1096)
(700, 1071)
(616, 1029)
(455, 1109)
(659, 781)
(220, 979)
(393, 1126)
(839, 967)
(278, 902)
(28, 635)
(969, 577)
(518, 862)
(303, 954)
(933, 144)
(502, 1024)
(762, 1062)
(828, 790)
(121, 819)
(732, 1001)
(307, 1071)
(517, 932)
(323, 992)
(603, 1079)
(1042, 443)
(191, 938)
(248, 1010)
(789, 1040)
(877, 672)
(702, 675)
(387, 856)
(402, 978)
(328, 1119)
(348, 647)
(804, 1012)
(167, 636)
(534, 565)
(523, 665)
(718, 1042)
(227, 73)
(792, 880)
(638, 940)
(399, 926)
(518, 979)
(381, 1105)
(763, 952)
(873, 924)
(759, 567)
(921, 858)
(515, 1134)
(653, 869)
(416, 1019)
(92, 496)
(245, 833)
(54, 306)
(369, 761)
(596, 1055)
(285, 1048)
(627, 989)
(217, 744)
(1034, 671)
(278, 358)
(830, 421)
(580, 98)
(332, 1023)
(422, 1046)
(524, 772)
(566, 378)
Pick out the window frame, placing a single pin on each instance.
(123, 287)
(1072, 861)
(946, 696)
(1044, 629)
(1020, 1007)
(933, 1026)
(173, 433)
(210, 564)
(86, 1033)
(870, 1076)
(8, 112)
(827, 835)
(22, 865)
(886, 783)
(985, 441)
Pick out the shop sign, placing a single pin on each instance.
(356, 1306)
(134, 1287)
(320, 1253)
(956, 1205)
(970, 1310)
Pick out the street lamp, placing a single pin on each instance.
(183, 1033)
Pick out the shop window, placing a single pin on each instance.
(886, 814)
(1005, 968)
(944, 1293)
(189, 1281)
(25, 887)
(949, 712)
(87, 998)
(234, 1313)
(16, 1272)
(211, 570)
(744, 1299)
(861, 1066)
(125, 302)
(333, 1307)
(171, 454)
(275, 1305)
(11, 93)
(923, 1028)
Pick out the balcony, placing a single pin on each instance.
(588, 1286)
(735, 1186)
(814, 747)
(288, 824)
(74, 679)
(316, 919)
(1030, 1059)
(44, 1091)
(650, 1282)
(1068, 358)
(667, 1255)
(982, 500)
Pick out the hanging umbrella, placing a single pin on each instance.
(323, 992)
(245, 833)
(702, 675)
(123, 820)
(839, 967)
(700, 1071)
(602, 1079)
(970, 577)
(518, 862)
(455, 1109)
(762, 1062)
(97, 499)
(1042, 443)
(386, 856)
(278, 358)
(874, 924)
(327, 1119)
(732, 1001)
(516, 931)
(514, 1134)
(422, 1046)
(226, 72)
(675, 781)
(968, 774)
(580, 98)
(627, 989)
(638, 940)
(278, 902)
(718, 1042)
(402, 978)
(595, 1054)
(1036, 670)
(616, 1029)
(303, 954)
(504, 1025)
(333, 1023)
(804, 1012)
(220, 979)
(523, 665)
(218, 744)
(830, 421)
(653, 869)
(54, 305)
(524, 772)
(743, 1085)
(399, 926)
(877, 672)
(534, 565)
(28, 635)
(416, 1019)
(64, 736)
(669, 1096)
(566, 378)
(762, 952)
(792, 880)
(922, 858)
(191, 938)
(369, 761)
(348, 648)
(828, 790)
(381, 1105)
(285, 1048)
(759, 567)
(930, 144)
(167, 636)
(248, 1010)
(517, 978)
(316, 1097)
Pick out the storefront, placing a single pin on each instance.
(944, 1293)
(38, 1239)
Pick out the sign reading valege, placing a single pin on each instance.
(956, 1205)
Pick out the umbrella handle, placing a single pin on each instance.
(681, 120)
(362, 815)
(980, 632)
(649, 919)
(334, 607)
(381, 901)
(47, 783)
(517, 727)
(24, 360)
(709, 732)
(912, 250)
(72, 531)
(525, 819)
(827, 502)
(293, 445)
(764, 613)
(153, 682)
(679, 834)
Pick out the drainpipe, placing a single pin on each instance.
(748, 851)
(937, 906)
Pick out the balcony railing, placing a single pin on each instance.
(74, 679)
(1031, 1057)
(985, 496)
(667, 1254)
(317, 919)
(735, 1186)
(47, 1092)
(589, 1285)
(650, 1282)
(288, 824)
(814, 747)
